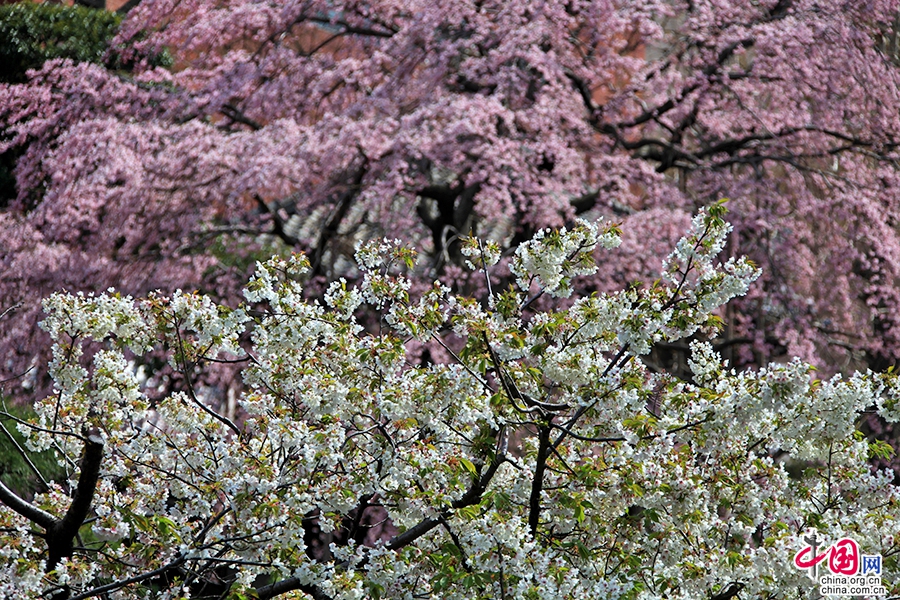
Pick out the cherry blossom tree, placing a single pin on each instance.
(322, 123)
(542, 460)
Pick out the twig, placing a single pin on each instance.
(136, 579)
(25, 456)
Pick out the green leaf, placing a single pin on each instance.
(470, 467)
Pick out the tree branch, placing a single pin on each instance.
(730, 592)
(61, 534)
(472, 496)
(342, 207)
(25, 509)
(288, 585)
(24, 455)
(353, 29)
(238, 116)
(537, 484)
(125, 582)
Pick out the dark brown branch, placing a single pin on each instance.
(472, 496)
(510, 387)
(412, 534)
(456, 542)
(355, 530)
(441, 193)
(34, 427)
(583, 90)
(654, 113)
(87, 483)
(710, 70)
(236, 115)
(587, 201)
(61, 534)
(537, 484)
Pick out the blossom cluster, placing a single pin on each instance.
(542, 459)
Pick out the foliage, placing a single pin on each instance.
(542, 460)
(15, 471)
(31, 34)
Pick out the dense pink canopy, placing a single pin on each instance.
(324, 122)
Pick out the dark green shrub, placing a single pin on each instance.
(31, 34)
(14, 469)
